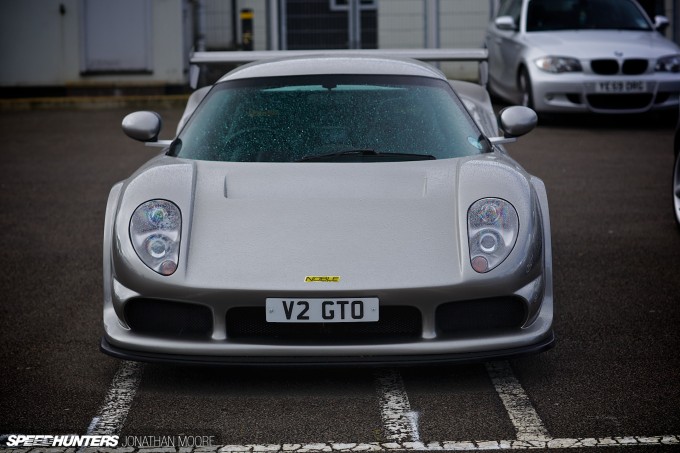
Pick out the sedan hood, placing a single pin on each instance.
(259, 226)
(591, 44)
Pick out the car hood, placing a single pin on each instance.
(591, 44)
(373, 225)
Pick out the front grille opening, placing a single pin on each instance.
(481, 316)
(397, 323)
(574, 98)
(661, 97)
(605, 67)
(635, 66)
(168, 318)
(620, 101)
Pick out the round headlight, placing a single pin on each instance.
(155, 230)
(493, 226)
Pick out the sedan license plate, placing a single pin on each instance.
(629, 86)
(322, 310)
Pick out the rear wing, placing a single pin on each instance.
(481, 56)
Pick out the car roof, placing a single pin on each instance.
(334, 64)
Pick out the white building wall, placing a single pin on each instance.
(462, 25)
(168, 42)
(40, 46)
(401, 24)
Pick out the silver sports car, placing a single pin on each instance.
(330, 210)
(602, 56)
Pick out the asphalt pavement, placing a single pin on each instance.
(612, 378)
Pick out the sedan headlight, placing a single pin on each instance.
(670, 63)
(558, 65)
(493, 225)
(155, 230)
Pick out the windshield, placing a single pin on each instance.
(549, 15)
(330, 118)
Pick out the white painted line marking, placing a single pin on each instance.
(473, 445)
(116, 406)
(399, 421)
(526, 421)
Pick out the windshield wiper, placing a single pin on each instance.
(365, 152)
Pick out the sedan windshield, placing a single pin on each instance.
(330, 118)
(550, 15)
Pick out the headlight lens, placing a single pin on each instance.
(670, 63)
(493, 225)
(558, 65)
(155, 230)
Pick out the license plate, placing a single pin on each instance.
(322, 310)
(628, 86)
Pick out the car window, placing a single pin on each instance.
(548, 15)
(369, 118)
(512, 8)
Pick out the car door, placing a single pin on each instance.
(504, 49)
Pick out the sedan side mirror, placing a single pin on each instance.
(661, 23)
(143, 126)
(514, 122)
(506, 23)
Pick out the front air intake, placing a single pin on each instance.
(168, 319)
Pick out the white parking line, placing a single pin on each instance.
(523, 416)
(399, 421)
(474, 445)
(113, 412)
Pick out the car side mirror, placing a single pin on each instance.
(506, 23)
(661, 23)
(143, 126)
(514, 122)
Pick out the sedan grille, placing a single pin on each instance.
(480, 316)
(605, 67)
(248, 324)
(633, 66)
(170, 319)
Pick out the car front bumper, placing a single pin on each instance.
(582, 92)
(473, 329)
(365, 360)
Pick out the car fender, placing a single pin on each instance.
(542, 195)
(109, 219)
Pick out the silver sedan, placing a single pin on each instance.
(330, 209)
(602, 56)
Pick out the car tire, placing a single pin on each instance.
(525, 88)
